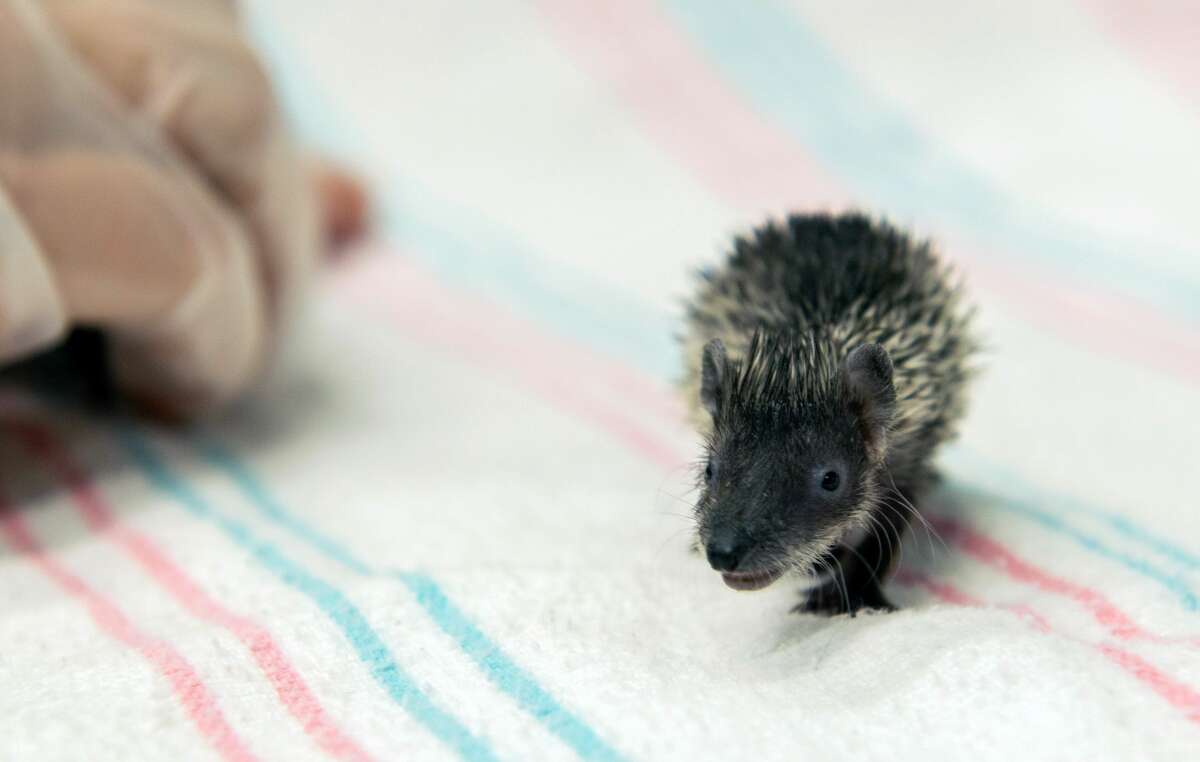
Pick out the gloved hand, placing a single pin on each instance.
(148, 187)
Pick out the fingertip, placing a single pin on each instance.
(174, 385)
(344, 205)
(165, 410)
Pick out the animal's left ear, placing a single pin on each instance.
(867, 373)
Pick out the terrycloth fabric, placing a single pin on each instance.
(457, 525)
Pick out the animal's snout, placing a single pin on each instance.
(726, 549)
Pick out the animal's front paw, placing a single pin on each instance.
(831, 599)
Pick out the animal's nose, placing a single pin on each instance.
(726, 550)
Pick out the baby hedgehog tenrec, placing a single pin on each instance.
(827, 360)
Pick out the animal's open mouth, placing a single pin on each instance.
(756, 580)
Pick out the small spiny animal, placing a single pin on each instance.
(828, 358)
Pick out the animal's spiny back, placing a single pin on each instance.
(829, 283)
(820, 270)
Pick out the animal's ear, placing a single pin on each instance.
(712, 375)
(868, 376)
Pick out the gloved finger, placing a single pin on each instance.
(154, 261)
(31, 314)
(194, 74)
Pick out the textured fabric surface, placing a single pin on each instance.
(456, 526)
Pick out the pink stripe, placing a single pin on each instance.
(193, 694)
(382, 273)
(951, 594)
(687, 107)
(291, 688)
(1102, 609)
(1105, 323)
(701, 121)
(1177, 694)
(1164, 36)
(943, 590)
(503, 343)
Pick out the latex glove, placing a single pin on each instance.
(147, 187)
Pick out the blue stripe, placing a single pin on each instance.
(266, 504)
(1177, 587)
(501, 670)
(1136, 533)
(473, 254)
(1005, 480)
(504, 673)
(367, 644)
(790, 75)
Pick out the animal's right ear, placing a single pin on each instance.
(868, 376)
(712, 372)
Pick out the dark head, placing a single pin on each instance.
(798, 442)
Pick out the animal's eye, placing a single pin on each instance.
(830, 481)
(708, 471)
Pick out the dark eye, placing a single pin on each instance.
(708, 471)
(830, 481)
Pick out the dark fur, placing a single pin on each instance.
(831, 344)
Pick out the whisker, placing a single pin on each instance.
(933, 533)
(845, 590)
(676, 498)
(671, 538)
(899, 515)
(895, 548)
(874, 569)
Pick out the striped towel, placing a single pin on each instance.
(456, 524)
